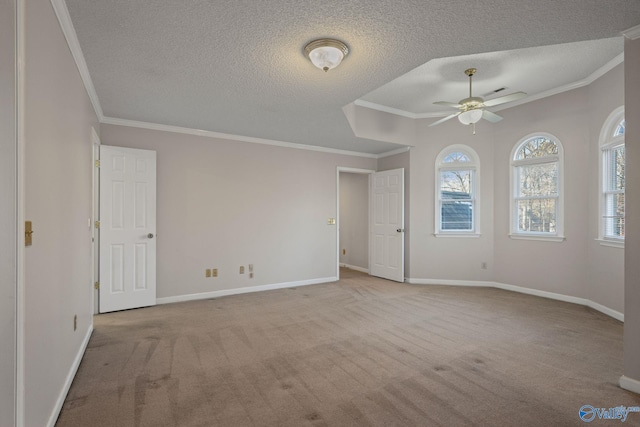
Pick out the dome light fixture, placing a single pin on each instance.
(326, 53)
(470, 116)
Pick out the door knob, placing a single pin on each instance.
(150, 235)
(399, 230)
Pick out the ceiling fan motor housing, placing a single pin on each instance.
(471, 103)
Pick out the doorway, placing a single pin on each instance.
(370, 231)
(353, 219)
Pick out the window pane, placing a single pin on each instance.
(456, 157)
(614, 215)
(457, 215)
(620, 129)
(455, 184)
(537, 147)
(615, 168)
(538, 180)
(537, 215)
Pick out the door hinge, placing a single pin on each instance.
(97, 163)
(28, 233)
(96, 285)
(97, 224)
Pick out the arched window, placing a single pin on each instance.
(457, 171)
(612, 178)
(536, 188)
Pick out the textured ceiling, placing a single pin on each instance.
(237, 66)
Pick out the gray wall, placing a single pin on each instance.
(8, 229)
(632, 206)
(579, 266)
(354, 219)
(247, 203)
(559, 267)
(223, 204)
(58, 120)
(449, 258)
(605, 281)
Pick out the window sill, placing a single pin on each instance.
(537, 237)
(463, 235)
(611, 243)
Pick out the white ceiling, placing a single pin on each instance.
(236, 66)
(535, 71)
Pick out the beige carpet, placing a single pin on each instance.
(358, 352)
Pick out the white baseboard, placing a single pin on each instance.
(237, 291)
(520, 289)
(630, 384)
(70, 376)
(468, 283)
(606, 310)
(355, 267)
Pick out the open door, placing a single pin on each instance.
(127, 228)
(387, 225)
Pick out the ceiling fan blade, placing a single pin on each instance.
(445, 119)
(448, 104)
(492, 117)
(504, 99)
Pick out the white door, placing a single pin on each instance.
(127, 228)
(387, 225)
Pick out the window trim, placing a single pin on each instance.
(514, 233)
(474, 166)
(606, 143)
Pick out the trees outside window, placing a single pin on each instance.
(612, 177)
(456, 183)
(536, 196)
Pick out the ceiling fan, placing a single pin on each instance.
(472, 109)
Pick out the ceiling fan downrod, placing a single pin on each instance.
(470, 72)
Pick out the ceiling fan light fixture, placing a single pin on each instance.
(470, 116)
(326, 53)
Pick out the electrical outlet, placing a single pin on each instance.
(214, 272)
(75, 322)
(242, 269)
(250, 275)
(207, 272)
(483, 265)
(344, 252)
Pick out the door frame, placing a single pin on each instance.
(345, 169)
(95, 216)
(20, 11)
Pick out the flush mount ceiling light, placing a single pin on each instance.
(326, 53)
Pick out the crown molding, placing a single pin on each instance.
(632, 33)
(393, 152)
(60, 8)
(555, 91)
(227, 136)
(619, 59)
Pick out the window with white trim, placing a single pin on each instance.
(536, 188)
(612, 182)
(456, 183)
